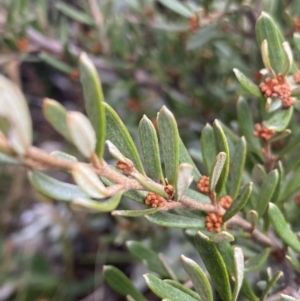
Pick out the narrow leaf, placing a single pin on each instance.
(63, 155)
(55, 63)
(287, 298)
(217, 170)
(239, 272)
(133, 213)
(178, 7)
(281, 228)
(279, 119)
(256, 262)
(222, 237)
(183, 288)
(184, 179)
(271, 284)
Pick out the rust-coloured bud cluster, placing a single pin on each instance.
(214, 222)
(226, 201)
(203, 185)
(169, 189)
(278, 88)
(124, 167)
(154, 200)
(194, 23)
(262, 132)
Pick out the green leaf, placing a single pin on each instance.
(247, 83)
(183, 288)
(222, 237)
(202, 37)
(177, 7)
(256, 262)
(94, 100)
(53, 188)
(148, 256)
(165, 290)
(246, 124)
(270, 285)
(296, 39)
(266, 192)
(118, 134)
(239, 202)
(267, 29)
(175, 221)
(184, 157)
(281, 228)
(55, 63)
(214, 264)
(64, 156)
(222, 146)
(237, 167)
(184, 179)
(75, 14)
(287, 298)
(239, 272)
(5, 159)
(120, 283)
(56, 115)
(217, 170)
(259, 174)
(252, 218)
(279, 119)
(169, 141)
(198, 277)
(208, 147)
(150, 149)
(281, 176)
(133, 213)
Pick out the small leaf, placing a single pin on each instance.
(266, 192)
(222, 237)
(94, 100)
(222, 146)
(252, 218)
(237, 167)
(296, 39)
(256, 262)
(217, 170)
(184, 179)
(82, 133)
(169, 141)
(120, 283)
(270, 285)
(56, 115)
(247, 83)
(118, 134)
(198, 277)
(133, 213)
(279, 120)
(165, 290)
(259, 174)
(89, 205)
(88, 181)
(53, 188)
(214, 264)
(65, 156)
(287, 298)
(208, 147)
(175, 221)
(202, 37)
(113, 150)
(150, 149)
(55, 63)
(177, 7)
(266, 29)
(239, 202)
(183, 288)
(289, 58)
(148, 256)
(281, 228)
(239, 272)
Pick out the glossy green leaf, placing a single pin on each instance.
(208, 147)
(184, 179)
(175, 221)
(185, 157)
(279, 120)
(222, 237)
(270, 285)
(169, 141)
(239, 272)
(239, 202)
(118, 134)
(266, 192)
(56, 115)
(94, 100)
(247, 83)
(256, 262)
(222, 146)
(150, 149)
(53, 188)
(165, 290)
(198, 277)
(133, 213)
(287, 298)
(148, 256)
(214, 264)
(88, 205)
(281, 228)
(216, 170)
(120, 283)
(267, 29)
(55, 63)
(177, 7)
(183, 288)
(237, 167)
(246, 124)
